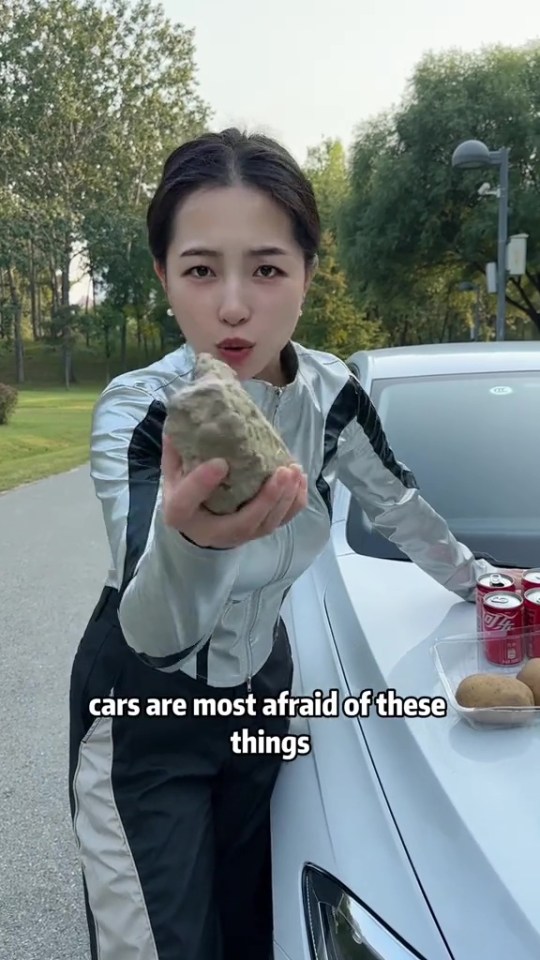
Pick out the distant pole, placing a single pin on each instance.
(502, 243)
(472, 154)
(477, 315)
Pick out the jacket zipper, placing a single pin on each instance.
(248, 644)
(277, 397)
(285, 563)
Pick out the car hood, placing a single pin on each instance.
(466, 801)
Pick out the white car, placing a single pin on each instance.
(399, 838)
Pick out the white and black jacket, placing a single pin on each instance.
(212, 613)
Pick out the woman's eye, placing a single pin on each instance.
(200, 275)
(266, 267)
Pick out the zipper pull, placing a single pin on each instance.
(248, 683)
(277, 395)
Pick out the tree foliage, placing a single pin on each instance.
(93, 97)
(326, 167)
(409, 213)
(331, 320)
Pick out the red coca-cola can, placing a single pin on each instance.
(531, 605)
(490, 583)
(530, 580)
(503, 628)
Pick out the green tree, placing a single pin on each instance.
(92, 99)
(15, 234)
(408, 213)
(326, 167)
(331, 320)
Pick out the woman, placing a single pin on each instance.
(172, 825)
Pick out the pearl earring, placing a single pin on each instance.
(170, 313)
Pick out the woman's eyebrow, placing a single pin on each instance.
(257, 252)
(199, 252)
(267, 252)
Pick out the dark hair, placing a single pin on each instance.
(225, 159)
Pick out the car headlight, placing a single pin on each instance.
(340, 928)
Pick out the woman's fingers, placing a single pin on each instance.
(277, 514)
(278, 500)
(185, 494)
(239, 527)
(252, 516)
(299, 504)
(247, 522)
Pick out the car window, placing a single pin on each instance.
(473, 444)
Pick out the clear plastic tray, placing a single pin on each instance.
(460, 656)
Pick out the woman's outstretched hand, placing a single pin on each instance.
(280, 498)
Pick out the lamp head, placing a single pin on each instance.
(471, 154)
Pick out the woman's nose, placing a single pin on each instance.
(233, 308)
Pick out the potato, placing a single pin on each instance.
(490, 690)
(530, 674)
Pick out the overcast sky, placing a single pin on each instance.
(306, 69)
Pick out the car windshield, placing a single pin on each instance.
(473, 444)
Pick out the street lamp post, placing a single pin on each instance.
(470, 155)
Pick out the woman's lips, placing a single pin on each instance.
(235, 355)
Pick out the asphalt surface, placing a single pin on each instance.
(53, 561)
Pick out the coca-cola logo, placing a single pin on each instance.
(500, 622)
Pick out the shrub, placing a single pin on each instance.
(8, 402)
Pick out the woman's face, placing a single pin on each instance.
(234, 270)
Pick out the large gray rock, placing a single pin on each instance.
(215, 417)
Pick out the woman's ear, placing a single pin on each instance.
(161, 274)
(311, 270)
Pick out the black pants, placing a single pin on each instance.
(173, 828)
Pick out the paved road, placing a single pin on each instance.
(53, 559)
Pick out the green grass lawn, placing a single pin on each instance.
(49, 432)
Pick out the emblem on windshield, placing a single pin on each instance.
(501, 391)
